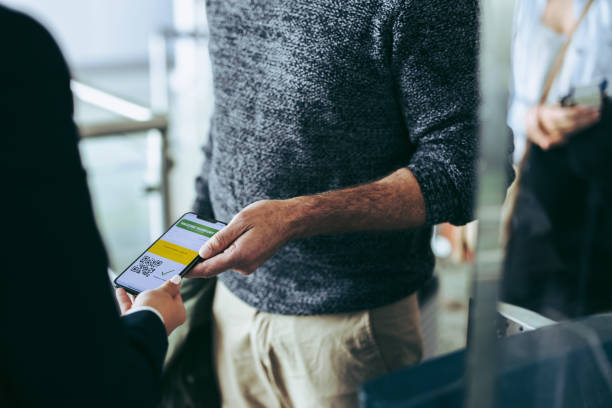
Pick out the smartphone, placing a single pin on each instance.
(589, 96)
(174, 253)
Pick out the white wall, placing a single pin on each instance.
(100, 32)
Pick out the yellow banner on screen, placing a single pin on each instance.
(173, 252)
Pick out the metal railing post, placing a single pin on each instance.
(164, 178)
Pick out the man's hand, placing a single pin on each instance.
(260, 229)
(166, 300)
(253, 236)
(549, 126)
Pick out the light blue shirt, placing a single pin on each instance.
(534, 47)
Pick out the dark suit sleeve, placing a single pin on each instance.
(62, 343)
(144, 334)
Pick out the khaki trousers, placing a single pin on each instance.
(270, 360)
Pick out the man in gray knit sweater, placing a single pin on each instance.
(342, 132)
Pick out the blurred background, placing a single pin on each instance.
(143, 97)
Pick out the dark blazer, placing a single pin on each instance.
(62, 342)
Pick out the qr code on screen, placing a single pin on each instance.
(146, 265)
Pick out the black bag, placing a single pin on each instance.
(557, 258)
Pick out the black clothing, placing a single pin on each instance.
(558, 255)
(63, 343)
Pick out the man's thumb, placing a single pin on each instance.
(223, 238)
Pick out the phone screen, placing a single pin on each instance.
(170, 255)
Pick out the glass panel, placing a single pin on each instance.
(555, 344)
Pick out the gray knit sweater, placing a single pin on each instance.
(317, 95)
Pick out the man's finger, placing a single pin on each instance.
(123, 299)
(221, 240)
(214, 266)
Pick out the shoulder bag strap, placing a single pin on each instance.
(558, 62)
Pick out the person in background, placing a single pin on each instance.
(540, 30)
(63, 343)
(342, 132)
(557, 260)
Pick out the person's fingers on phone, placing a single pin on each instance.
(575, 119)
(544, 121)
(552, 118)
(167, 301)
(223, 238)
(124, 301)
(567, 120)
(228, 259)
(586, 119)
(581, 110)
(559, 119)
(554, 125)
(542, 126)
(172, 286)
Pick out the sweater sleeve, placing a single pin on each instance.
(434, 64)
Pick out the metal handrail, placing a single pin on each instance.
(110, 102)
(118, 127)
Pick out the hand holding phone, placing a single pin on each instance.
(552, 125)
(174, 253)
(166, 300)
